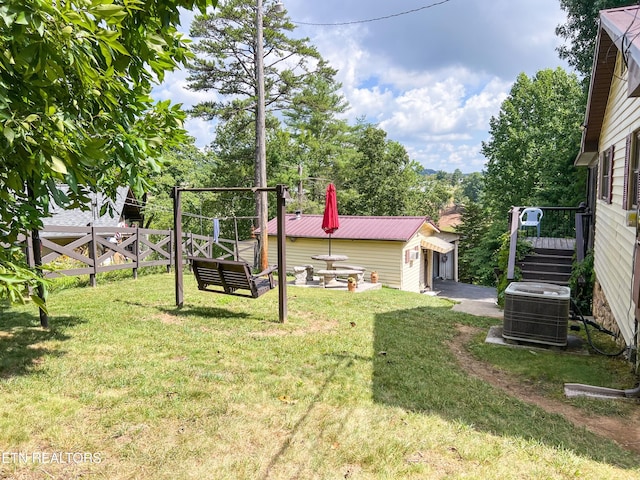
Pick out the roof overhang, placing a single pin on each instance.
(619, 31)
(623, 27)
(436, 244)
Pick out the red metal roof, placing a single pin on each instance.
(353, 227)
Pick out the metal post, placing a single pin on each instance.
(177, 231)
(282, 262)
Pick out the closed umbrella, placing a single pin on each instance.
(330, 221)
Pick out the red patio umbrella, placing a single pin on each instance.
(330, 221)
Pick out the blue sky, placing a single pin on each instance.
(431, 79)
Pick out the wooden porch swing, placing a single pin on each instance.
(229, 276)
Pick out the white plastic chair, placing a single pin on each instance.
(531, 217)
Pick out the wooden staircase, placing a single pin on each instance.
(550, 262)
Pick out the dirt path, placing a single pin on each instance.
(624, 431)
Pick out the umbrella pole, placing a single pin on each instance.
(329, 244)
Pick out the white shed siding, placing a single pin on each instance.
(413, 269)
(614, 240)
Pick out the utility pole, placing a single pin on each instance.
(261, 142)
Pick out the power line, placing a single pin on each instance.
(337, 24)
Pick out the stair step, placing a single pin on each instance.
(554, 251)
(541, 258)
(546, 267)
(552, 277)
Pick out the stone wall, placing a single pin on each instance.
(601, 310)
(603, 316)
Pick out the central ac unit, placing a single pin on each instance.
(536, 312)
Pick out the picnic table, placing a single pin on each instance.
(330, 259)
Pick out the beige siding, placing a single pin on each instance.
(413, 270)
(385, 257)
(614, 240)
(388, 258)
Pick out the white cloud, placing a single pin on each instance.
(432, 79)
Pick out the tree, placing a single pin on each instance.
(581, 31)
(229, 60)
(76, 79)
(381, 179)
(472, 187)
(320, 137)
(534, 141)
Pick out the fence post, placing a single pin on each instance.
(93, 254)
(235, 229)
(580, 251)
(136, 246)
(171, 251)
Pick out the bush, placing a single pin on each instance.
(581, 283)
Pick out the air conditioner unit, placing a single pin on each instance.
(414, 255)
(536, 312)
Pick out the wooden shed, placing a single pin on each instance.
(407, 252)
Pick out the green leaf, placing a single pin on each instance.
(22, 19)
(9, 134)
(57, 165)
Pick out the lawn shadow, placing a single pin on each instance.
(203, 312)
(413, 368)
(23, 342)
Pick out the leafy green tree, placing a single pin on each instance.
(471, 232)
(225, 60)
(436, 193)
(76, 78)
(381, 180)
(533, 143)
(319, 136)
(472, 187)
(581, 30)
(184, 165)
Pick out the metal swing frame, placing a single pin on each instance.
(282, 194)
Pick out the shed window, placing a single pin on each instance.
(606, 174)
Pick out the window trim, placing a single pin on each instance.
(606, 175)
(631, 172)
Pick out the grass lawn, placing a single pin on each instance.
(124, 385)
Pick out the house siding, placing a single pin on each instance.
(614, 240)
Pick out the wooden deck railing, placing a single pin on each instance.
(78, 251)
(557, 222)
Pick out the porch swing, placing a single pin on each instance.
(232, 277)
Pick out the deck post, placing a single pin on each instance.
(513, 242)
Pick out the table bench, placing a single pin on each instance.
(358, 268)
(329, 276)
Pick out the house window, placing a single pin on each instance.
(632, 169)
(606, 174)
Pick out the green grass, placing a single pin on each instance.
(357, 386)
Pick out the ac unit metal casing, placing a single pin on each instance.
(536, 312)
